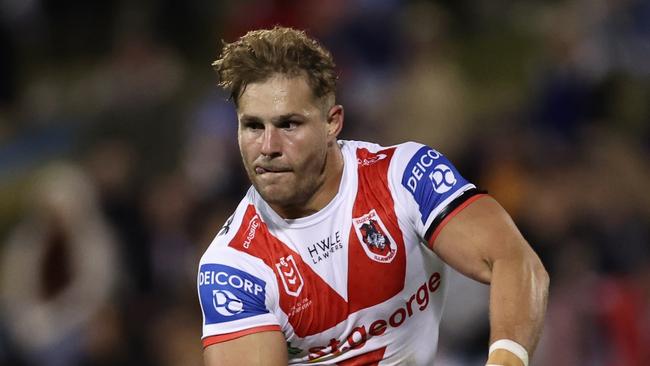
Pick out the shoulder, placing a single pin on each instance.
(224, 248)
(404, 164)
(411, 151)
(409, 156)
(232, 225)
(406, 149)
(226, 269)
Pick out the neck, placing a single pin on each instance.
(326, 191)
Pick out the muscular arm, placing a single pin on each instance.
(264, 348)
(483, 243)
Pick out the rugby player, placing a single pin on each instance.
(338, 253)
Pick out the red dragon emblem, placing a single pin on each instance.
(375, 238)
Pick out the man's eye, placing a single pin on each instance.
(254, 126)
(289, 125)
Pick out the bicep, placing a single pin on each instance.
(477, 236)
(263, 348)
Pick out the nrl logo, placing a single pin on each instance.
(374, 237)
(291, 278)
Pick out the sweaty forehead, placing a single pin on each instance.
(276, 95)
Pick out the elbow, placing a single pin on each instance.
(540, 277)
(535, 273)
(546, 277)
(535, 269)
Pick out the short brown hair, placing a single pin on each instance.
(259, 54)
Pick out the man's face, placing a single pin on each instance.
(283, 138)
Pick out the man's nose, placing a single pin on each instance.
(271, 142)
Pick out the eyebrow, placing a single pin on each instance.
(247, 118)
(281, 118)
(287, 116)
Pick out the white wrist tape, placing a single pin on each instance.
(511, 346)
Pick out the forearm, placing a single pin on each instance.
(518, 294)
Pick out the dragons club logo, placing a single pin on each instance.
(226, 303)
(374, 237)
(291, 278)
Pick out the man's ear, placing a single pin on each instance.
(335, 120)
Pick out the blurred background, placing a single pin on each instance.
(118, 159)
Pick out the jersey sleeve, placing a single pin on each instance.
(429, 188)
(237, 296)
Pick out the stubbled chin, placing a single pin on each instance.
(273, 183)
(277, 193)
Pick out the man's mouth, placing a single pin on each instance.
(264, 170)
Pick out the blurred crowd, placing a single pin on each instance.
(119, 161)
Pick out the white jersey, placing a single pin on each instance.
(354, 283)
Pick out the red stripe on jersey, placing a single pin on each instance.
(444, 222)
(311, 305)
(371, 358)
(376, 254)
(208, 341)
